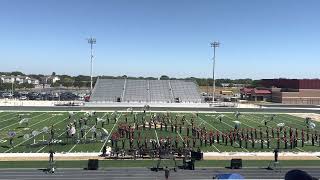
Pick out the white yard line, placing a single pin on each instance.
(220, 131)
(8, 119)
(85, 135)
(105, 142)
(157, 137)
(18, 122)
(6, 115)
(58, 136)
(30, 137)
(240, 121)
(291, 121)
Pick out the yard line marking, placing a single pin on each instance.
(300, 149)
(7, 119)
(85, 135)
(30, 137)
(292, 118)
(220, 131)
(105, 142)
(6, 114)
(271, 121)
(157, 137)
(240, 121)
(58, 136)
(18, 122)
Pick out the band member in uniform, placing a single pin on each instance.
(246, 142)
(272, 131)
(285, 143)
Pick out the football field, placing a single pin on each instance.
(66, 132)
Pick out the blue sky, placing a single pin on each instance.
(259, 39)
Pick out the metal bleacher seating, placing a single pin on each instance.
(136, 91)
(160, 91)
(154, 91)
(108, 90)
(185, 91)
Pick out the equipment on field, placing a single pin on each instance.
(93, 164)
(12, 134)
(236, 164)
(196, 155)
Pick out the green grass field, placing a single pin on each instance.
(9, 121)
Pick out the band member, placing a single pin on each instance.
(255, 133)
(285, 143)
(231, 141)
(246, 143)
(82, 132)
(123, 143)
(225, 140)
(276, 151)
(272, 131)
(145, 143)
(252, 142)
(312, 139)
(188, 142)
(51, 152)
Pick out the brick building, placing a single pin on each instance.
(294, 91)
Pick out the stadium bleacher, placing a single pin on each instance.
(154, 91)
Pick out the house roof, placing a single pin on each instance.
(260, 91)
(246, 90)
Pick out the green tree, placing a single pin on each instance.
(164, 77)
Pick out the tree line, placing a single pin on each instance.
(84, 81)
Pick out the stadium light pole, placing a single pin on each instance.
(91, 41)
(214, 44)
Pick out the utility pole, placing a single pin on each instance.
(215, 44)
(91, 41)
